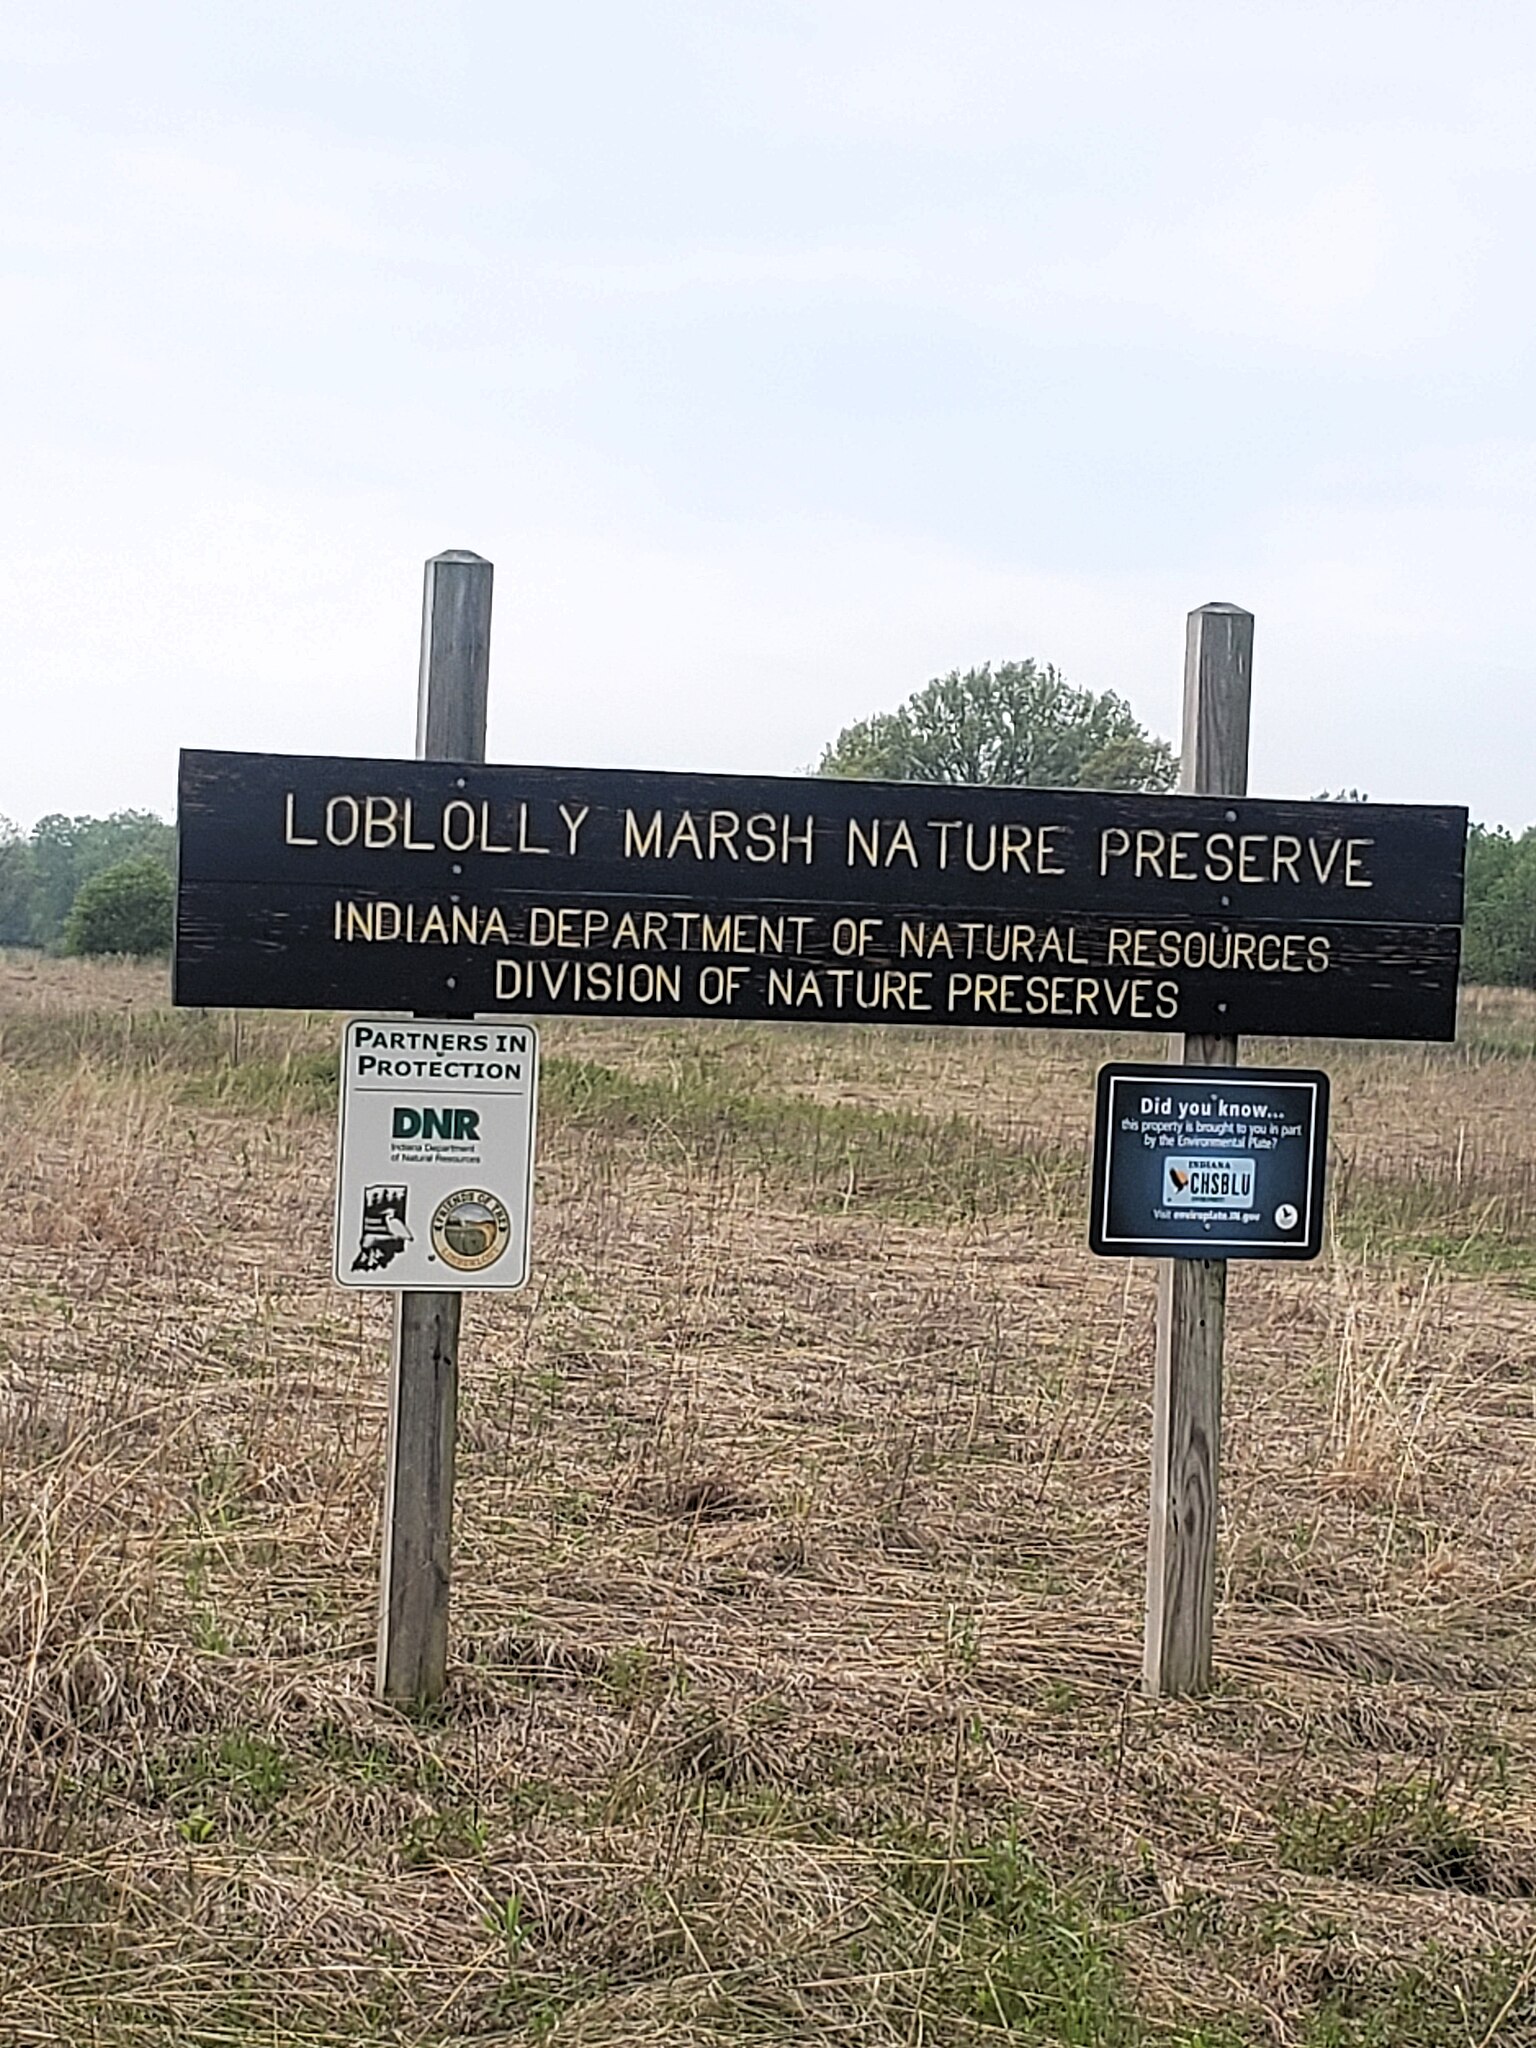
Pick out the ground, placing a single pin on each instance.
(798, 1564)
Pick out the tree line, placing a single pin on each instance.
(1499, 943)
(88, 885)
(104, 885)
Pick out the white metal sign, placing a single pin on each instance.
(435, 1177)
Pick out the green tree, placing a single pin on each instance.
(66, 852)
(16, 887)
(123, 909)
(1499, 944)
(1017, 723)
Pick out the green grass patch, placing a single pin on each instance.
(1013, 1949)
(898, 1162)
(300, 1083)
(213, 1784)
(1400, 1834)
(1445, 2001)
(843, 1155)
(1389, 1220)
(207, 1058)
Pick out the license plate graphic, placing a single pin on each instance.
(1207, 1183)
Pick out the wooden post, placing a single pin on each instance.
(1192, 1293)
(424, 1374)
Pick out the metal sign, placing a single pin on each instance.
(434, 1180)
(1209, 1162)
(353, 884)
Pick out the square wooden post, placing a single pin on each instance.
(1192, 1293)
(424, 1373)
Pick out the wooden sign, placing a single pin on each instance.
(1208, 1162)
(454, 887)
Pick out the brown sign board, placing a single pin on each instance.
(446, 888)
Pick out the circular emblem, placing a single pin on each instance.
(470, 1229)
(1286, 1217)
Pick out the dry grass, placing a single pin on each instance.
(801, 1521)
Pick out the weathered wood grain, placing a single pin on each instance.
(233, 819)
(1192, 1293)
(418, 1502)
(275, 947)
(1186, 1466)
(424, 1370)
(276, 851)
(452, 691)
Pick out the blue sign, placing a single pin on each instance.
(1209, 1162)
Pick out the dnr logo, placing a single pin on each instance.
(457, 1125)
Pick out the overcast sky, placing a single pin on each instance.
(781, 354)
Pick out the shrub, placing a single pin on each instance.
(124, 909)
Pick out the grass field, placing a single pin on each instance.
(801, 1525)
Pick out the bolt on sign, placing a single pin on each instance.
(442, 886)
(1208, 1162)
(434, 1181)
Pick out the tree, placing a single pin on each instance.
(1017, 724)
(124, 909)
(16, 887)
(1499, 943)
(66, 852)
